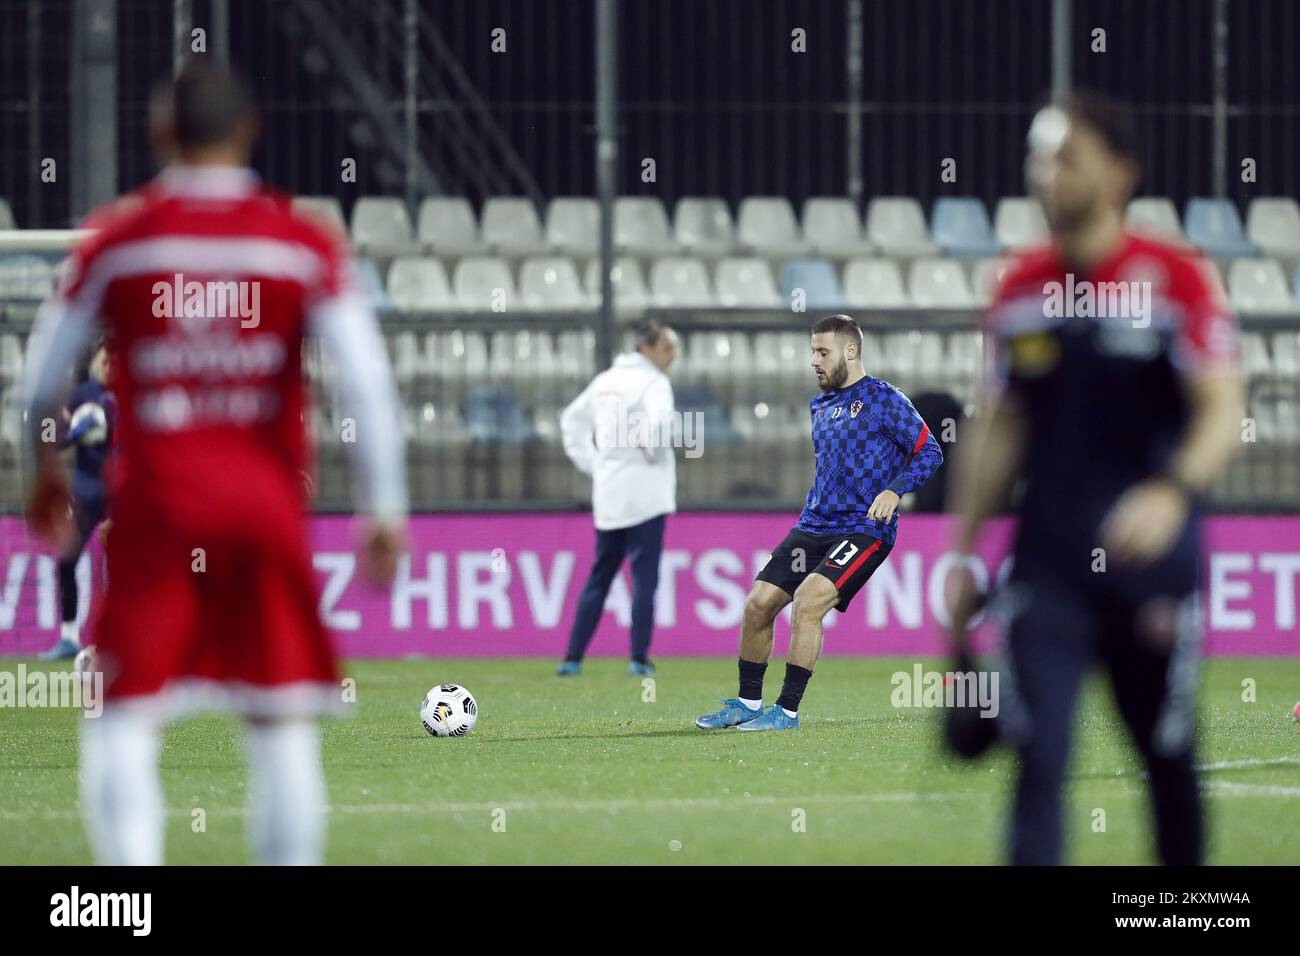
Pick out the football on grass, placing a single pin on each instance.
(448, 710)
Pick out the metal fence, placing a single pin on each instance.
(429, 98)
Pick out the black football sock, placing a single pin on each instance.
(751, 679)
(796, 680)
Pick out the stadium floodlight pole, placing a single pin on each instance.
(853, 65)
(1062, 33)
(606, 168)
(182, 18)
(219, 40)
(411, 78)
(1221, 98)
(93, 106)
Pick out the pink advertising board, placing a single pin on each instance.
(506, 585)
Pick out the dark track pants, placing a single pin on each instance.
(1151, 654)
(641, 544)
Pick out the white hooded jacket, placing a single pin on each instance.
(620, 431)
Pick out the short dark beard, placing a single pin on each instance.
(836, 377)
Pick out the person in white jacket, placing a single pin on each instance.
(620, 431)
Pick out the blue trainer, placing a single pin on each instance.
(733, 714)
(62, 651)
(640, 669)
(774, 718)
(569, 669)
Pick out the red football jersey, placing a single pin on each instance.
(204, 289)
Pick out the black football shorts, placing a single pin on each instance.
(847, 560)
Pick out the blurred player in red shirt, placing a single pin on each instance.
(208, 288)
(1115, 394)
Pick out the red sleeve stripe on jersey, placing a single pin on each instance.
(848, 572)
(920, 442)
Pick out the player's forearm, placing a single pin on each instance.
(1214, 433)
(922, 467)
(986, 470)
(350, 335)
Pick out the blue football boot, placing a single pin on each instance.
(733, 714)
(773, 718)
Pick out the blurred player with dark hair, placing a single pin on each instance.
(91, 419)
(871, 448)
(211, 597)
(1116, 397)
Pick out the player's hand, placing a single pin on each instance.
(1144, 522)
(49, 509)
(382, 544)
(883, 508)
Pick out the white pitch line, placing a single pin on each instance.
(1250, 762)
(1230, 789)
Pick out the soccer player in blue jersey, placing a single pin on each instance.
(871, 448)
(92, 417)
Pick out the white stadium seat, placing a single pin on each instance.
(678, 282)
(573, 225)
(1019, 222)
(478, 282)
(766, 225)
(745, 283)
(381, 227)
(834, 228)
(703, 225)
(896, 225)
(419, 283)
(447, 227)
(874, 284)
(550, 284)
(510, 225)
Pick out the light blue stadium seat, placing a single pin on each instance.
(818, 280)
(960, 224)
(495, 416)
(1215, 226)
(717, 428)
(372, 284)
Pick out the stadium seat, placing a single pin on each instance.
(495, 416)
(11, 361)
(896, 225)
(324, 210)
(1156, 216)
(573, 225)
(767, 227)
(1273, 224)
(703, 226)
(986, 277)
(510, 225)
(550, 284)
(1214, 225)
(745, 283)
(447, 227)
(817, 279)
(6, 215)
(680, 283)
(406, 357)
(832, 225)
(419, 284)
(479, 281)
(381, 227)
(641, 227)
(960, 224)
(1258, 285)
(1019, 222)
(717, 428)
(372, 284)
(630, 292)
(939, 284)
(874, 284)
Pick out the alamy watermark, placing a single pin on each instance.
(920, 688)
(617, 426)
(20, 689)
(212, 299)
(1085, 299)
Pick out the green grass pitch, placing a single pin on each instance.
(585, 771)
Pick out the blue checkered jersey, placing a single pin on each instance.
(867, 437)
